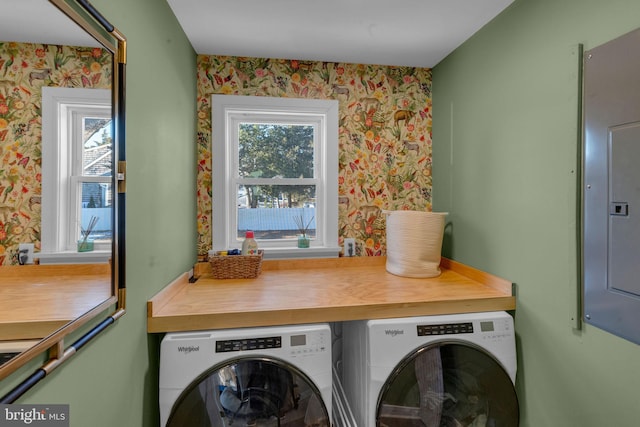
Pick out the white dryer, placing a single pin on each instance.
(449, 370)
(271, 376)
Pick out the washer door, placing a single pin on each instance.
(250, 392)
(448, 384)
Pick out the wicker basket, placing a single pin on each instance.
(236, 266)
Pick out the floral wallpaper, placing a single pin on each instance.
(384, 134)
(24, 69)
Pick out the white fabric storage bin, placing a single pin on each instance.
(414, 243)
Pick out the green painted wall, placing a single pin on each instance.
(505, 167)
(506, 157)
(113, 380)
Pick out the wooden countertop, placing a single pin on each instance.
(321, 290)
(36, 300)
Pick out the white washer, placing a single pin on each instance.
(433, 370)
(279, 375)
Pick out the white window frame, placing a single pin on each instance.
(227, 112)
(61, 167)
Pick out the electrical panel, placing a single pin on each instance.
(611, 187)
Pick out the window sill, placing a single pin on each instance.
(92, 257)
(291, 253)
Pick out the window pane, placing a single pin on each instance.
(96, 147)
(96, 210)
(276, 211)
(275, 150)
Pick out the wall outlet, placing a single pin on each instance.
(349, 246)
(25, 253)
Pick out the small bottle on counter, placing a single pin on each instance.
(249, 246)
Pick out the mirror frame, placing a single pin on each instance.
(87, 17)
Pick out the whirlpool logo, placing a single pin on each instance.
(188, 349)
(394, 332)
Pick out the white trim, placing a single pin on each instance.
(321, 113)
(92, 257)
(292, 252)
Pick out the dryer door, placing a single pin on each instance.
(448, 384)
(251, 391)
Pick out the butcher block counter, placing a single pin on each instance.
(36, 300)
(321, 290)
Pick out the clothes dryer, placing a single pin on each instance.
(449, 370)
(271, 376)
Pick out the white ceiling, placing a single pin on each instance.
(38, 21)
(418, 33)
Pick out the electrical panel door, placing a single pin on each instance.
(611, 186)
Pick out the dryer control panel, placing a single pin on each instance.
(248, 344)
(298, 344)
(445, 329)
(306, 345)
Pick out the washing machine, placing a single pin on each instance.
(445, 370)
(270, 376)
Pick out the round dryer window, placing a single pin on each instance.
(448, 384)
(250, 392)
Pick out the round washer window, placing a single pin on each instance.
(448, 384)
(250, 392)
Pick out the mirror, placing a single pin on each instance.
(61, 175)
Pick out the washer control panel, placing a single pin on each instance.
(445, 329)
(299, 344)
(307, 344)
(248, 344)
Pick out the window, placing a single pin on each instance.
(275, 166)
(77, 170)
